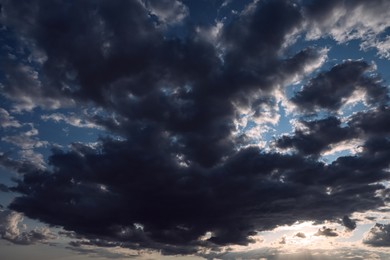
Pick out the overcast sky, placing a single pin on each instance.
(194, 129)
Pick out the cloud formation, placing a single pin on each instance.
(9, 230)
(174, 167)
(379, 235)
(328, 232)
(340, 83)
(348, 20)
(350, 224)
(27, 142)
(168, 12)
(7, 120)
(300, 235)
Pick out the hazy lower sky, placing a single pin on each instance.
(194, 129)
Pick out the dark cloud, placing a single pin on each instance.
(374, 122)
(379, 235)
(251, 36)
(88, 190)
(367, 167)
(339, 83)
(349, 223)
(317, 137)
(179, 88)
(318, 11)
(65, 33)
(328, 232)
(176, 172)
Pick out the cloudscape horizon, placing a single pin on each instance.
(194, 129)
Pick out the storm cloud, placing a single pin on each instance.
(172, 167)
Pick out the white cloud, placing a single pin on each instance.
(10, 222)
(211, 34)
(6, 120)
(25, 88)
(167, 11)
(27, 142)
(363, 21)
(71, 119)
(352, 146)
(33, 157)
(383, 47)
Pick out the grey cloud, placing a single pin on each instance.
(339, 83)
(176, 170)
(82, 121)
(169, 12)
(23, 85)
(328, 232)
(66, 62)
(318, 137)
(27, 142)
(378, 236)
(300, 235)
(349, 223)
(348, 20)
(374, 122)
(283, 241)
(83, 201)
(7, 120)
(19, 166)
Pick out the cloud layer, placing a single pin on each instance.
(174, 167)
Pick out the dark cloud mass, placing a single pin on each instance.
(178, 171)
(349, 223)
(339, 83)
(379, 235)
(318, 136)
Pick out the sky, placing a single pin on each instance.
(194, 129)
